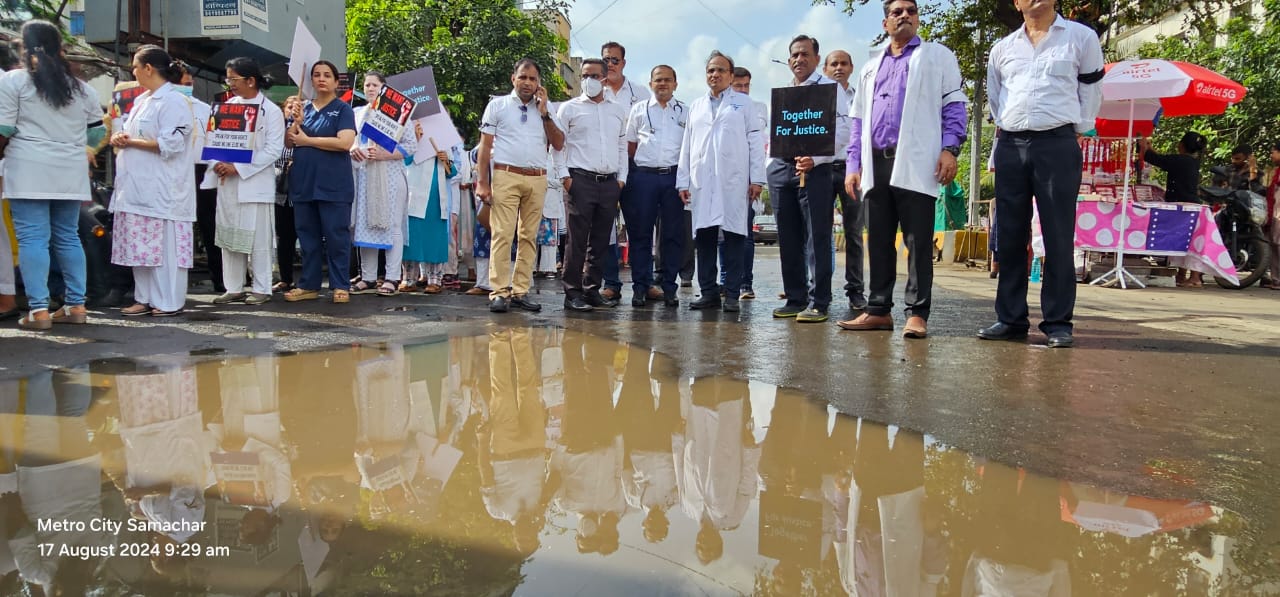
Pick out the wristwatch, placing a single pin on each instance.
(955, 151)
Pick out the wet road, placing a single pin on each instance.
(1169, 393)
(538, 461)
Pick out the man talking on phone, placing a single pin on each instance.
(511, 178)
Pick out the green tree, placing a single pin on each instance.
(1247, 56)
(472, 45)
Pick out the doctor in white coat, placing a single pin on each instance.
(721, 172)
(247, 192)
(908, 119)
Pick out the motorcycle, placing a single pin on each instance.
(1240, 214)
(107, 284)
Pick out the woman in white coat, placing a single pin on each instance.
(247, 191)
(155, 191)
(721, 171)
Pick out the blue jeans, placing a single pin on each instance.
(46, 228)
(610, 269)
(649, 198)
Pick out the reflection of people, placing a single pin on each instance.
(1021, 540)
(717, 468)
(1183, 182)
(1043, 81)
(649, 440)
(908, 125)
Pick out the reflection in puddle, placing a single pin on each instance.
(542, 462)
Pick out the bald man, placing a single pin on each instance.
(838, 66)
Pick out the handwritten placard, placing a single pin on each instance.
(230, 133)
(386, 117)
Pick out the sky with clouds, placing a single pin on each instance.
(682, 33)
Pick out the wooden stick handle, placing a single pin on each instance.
(802, 179)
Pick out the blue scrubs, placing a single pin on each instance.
(322, 188)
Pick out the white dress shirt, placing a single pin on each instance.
(657, 132)
(629, 94)
(518, 137)
(595, 137)
(1035, 88)
(844, 122)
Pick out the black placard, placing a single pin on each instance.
(790, 528)
(803, 121)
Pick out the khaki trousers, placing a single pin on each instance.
(516, 212)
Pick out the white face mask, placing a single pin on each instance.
(592, 87)
(184, 89)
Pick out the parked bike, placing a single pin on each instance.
(1240, 214)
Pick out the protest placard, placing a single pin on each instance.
(420, 86)
(790, 528)
(303, 56)
(122, 99)
(440, 128)
(239, 478)
(803, 122)
(230, 133)
(386, 117)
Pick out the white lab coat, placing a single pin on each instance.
(256, 182)
(718, 475)
(722, 155)
(160, 185)
(933, 81)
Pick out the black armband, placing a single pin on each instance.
(1091, 78)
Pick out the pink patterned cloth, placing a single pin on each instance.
(138, 241)
(1185, 232)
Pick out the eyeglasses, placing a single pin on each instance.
(230, 80)
(910, 10)
(612, 60)
(524, 113)
(587, 76)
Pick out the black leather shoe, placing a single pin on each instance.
(595, 299)
(670, 300)
(1060, 340)
(731, 305)
(637, 300)
(499, 305)
(1002, 331)
(524, 303)
(577, 303)
(857, 302)
(708, 301)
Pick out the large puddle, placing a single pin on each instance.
(543, 462)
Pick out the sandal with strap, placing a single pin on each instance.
(35, 325)
(136, 309)
(407, 287)
(67, 315)
(341, 297)
(388, 288)
(362, 287)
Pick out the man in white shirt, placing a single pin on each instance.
(618, 88)
(515, 131)
(655, 130)
(838, 67)
(800, 209)
(594, 170)
(1042, 81)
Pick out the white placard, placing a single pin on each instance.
(304, 55)
(439, 127)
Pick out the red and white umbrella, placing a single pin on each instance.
(1182, 88)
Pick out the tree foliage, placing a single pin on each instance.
(471, 44)
(1247, 54)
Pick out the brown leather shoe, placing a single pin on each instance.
(867, 322)
(654, 293)
(433, 289)
(609, 294)
(915, 328)
(476, 291)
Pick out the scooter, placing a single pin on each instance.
(1240, 214)
(107, 284)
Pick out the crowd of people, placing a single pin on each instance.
(543, 191)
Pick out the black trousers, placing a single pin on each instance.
(708, 241)
(286, 242)
(791, 204)
(1045, 165)
(888, 209)
(648, 199)
(591, 208)
(854, 216)
(206, 224)
(688, 261)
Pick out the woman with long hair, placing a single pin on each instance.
(155, 194)
(322, 187)
(247, 191)
(48, 118)
(382, 196)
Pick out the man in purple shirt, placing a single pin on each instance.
(908, 119)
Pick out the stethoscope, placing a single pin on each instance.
(649, 117)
